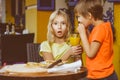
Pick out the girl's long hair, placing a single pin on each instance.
(50, 33)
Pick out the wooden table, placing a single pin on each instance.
(45, 76)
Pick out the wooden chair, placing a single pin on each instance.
(33, 52)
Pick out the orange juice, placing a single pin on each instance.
(74, 39)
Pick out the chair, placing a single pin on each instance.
(33, 52)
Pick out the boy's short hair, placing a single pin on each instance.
(94, 7)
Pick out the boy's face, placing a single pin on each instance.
(59, 26)
(83, 20)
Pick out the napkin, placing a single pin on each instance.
(71, 67)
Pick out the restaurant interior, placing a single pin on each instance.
(27, 21)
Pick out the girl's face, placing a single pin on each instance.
(59, 26)
(84, 20)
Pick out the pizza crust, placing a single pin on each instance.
(22, 68)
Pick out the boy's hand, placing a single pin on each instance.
(81, 29)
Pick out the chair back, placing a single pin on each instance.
(33, 52)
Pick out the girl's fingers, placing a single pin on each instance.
(77, 50)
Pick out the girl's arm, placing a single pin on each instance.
(74, 50)
(48, 56)
(90, 49)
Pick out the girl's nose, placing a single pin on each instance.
(59, 26)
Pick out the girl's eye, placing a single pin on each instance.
(55, 23)
(79, 22)
(76, 17)
(63, 23)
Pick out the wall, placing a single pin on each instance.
(30, 2)
(31, 16)
(42, 19)
(116, 60)
(8, 12)
(31, 21)
(59, 3)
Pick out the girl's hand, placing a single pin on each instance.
(76, 50)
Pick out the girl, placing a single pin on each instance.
(98, 45)
(56, 46)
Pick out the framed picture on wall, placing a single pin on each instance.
(114, 0)
(46, 4)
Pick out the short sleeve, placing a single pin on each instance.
(98, 34)
(45, 47)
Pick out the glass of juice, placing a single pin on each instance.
(74, 39)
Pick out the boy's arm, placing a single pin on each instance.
(90, 49)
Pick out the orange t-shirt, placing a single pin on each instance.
(101, 65)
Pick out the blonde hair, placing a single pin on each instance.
(50, 34)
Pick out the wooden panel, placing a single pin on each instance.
(13, 48)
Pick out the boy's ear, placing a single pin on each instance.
(89, 15)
